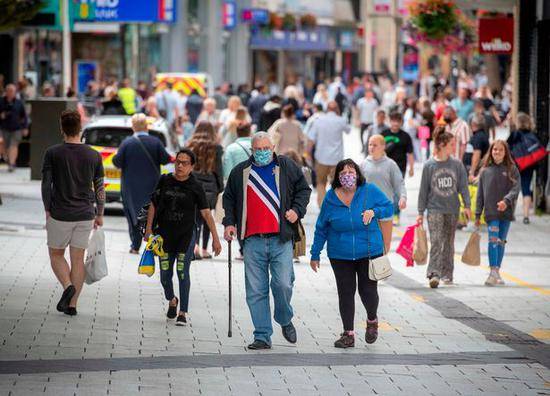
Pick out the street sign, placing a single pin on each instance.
(496, 35)
(163, 11)
(229, 14)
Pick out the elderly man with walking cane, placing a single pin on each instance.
(264, 199)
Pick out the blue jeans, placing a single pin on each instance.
(498, 230)
(262, 256)
(183, 263)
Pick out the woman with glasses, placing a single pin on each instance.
(174, 203)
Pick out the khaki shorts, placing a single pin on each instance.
(68, 233)
(324, 173)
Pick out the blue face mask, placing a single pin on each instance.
(263, 157)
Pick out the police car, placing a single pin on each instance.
(105, 134)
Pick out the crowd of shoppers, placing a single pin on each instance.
(258, 154)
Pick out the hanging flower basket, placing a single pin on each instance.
(289, 22)
(441, 25)
(308, 21)
(275, 21)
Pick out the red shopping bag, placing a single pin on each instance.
(405, 248)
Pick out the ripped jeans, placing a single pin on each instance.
(498, 230)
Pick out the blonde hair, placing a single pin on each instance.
(378, 138)
(234, 101)
(139, 122)
(524, 121)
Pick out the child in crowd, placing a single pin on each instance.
(443, 179)
(497, 193)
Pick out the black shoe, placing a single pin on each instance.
(258, 344)
(172, 310)
(289, 332)
(526, 220)
(65, 299)
(71, 311)
(345, 341)
(181, 320)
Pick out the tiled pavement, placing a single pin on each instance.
(460, 340)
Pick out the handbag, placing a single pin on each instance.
(379, 267)
(527, 150)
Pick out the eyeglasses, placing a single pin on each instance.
(183, 163)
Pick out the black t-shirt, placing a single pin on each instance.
(487, 103)
(69, 172)
(177, 203)
(398, 145)
(478, 141)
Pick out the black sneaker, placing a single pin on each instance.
(258, 344)
(65, 299)
(345, 341)
(181, 320)
(172, 310)
(526, 220)
(289, 332)
(71, 311)
(372, 331)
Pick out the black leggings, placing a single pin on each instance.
(350, 276)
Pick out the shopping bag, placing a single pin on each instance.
(95, 263)
(472, 190)
(471, 254)
(527, 150)
(405, 248)
(147, 263)
(420, 246)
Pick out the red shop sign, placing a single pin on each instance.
(496, 35)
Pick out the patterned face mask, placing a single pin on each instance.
(348, 180)
(263, 157)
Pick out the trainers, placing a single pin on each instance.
(526, 220)
(498, 278)
(181, 320)
(491, 280)
(434, 282)
(65, 299)
(346, 340)
(258, 344)
(172, 310)
(372, 331)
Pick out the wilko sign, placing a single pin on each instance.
(496, 35)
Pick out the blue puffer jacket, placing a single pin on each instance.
(343, 229)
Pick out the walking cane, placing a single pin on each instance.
(229, 332)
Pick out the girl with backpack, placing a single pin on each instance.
(443, 179)
(498, 190)
(208, 171)
(174, 206)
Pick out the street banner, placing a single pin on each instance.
(496, 35)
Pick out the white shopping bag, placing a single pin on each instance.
(96, 262)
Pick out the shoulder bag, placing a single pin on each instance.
(379, 267)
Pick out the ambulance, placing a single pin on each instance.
(105, 134)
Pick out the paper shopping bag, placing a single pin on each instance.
(420, 246)
(471, 254)
(96, 263)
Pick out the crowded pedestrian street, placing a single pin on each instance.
(464, 339)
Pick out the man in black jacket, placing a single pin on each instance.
(263, 200)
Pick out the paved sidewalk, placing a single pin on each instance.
(464, 339)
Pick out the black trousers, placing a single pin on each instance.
(352, 275)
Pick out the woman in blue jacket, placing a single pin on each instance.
(348, 223)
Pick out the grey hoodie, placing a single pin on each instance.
(385, 174)
(494, 186)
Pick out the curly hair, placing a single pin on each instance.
(203, 145)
